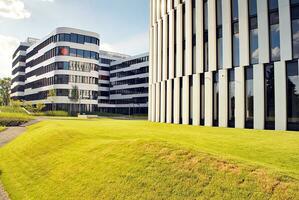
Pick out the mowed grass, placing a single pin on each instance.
(119, 159)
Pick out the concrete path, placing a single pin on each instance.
(8, 135)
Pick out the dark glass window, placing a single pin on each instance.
(231, 98)
(295, 30)
(269, 97)
(274, 30)
(253, 33)
(86, 54)
(236, 51)
(80, 53)
(254, 51)
(219, 12)
(94, 40)
(202, 99)
(73, 52)
(215, 98)
(249, 97)
(67, 37)
(235, 11)
(206, 37)
(293, 2)
(61, 37)
(87, 39)
(273, 4)
(252, 7)
(275, 42)
(66, 65)
(74, 38)
(81, 39)
(293, 95)
(93, 55)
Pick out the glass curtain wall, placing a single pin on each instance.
(206, 37)
(219, 35)
(202, 99)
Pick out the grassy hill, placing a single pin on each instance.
(119, 159)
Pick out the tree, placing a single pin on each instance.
(40, 107)
(51, 95)
(5, 85)
(75, 95)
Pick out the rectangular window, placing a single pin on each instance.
(274, 30)
(206, 37)
(235, 36)
(81, 39)
(73, 52)
(231, 98)
(67, 37)
(86, 54)
(293, 95)
(74, 38)
(253, 33)
(236, 54)
(80, 53)
(219, 35)
(269, 97)
(295, 28)
(202, 99)
(249, 97)
(215, 98)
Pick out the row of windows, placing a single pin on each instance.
(19, 78)
(72, 66)
(135, 100)
(18, 69)
(19, 88)
(130, 91)
(106, 61)
(20, 48)
(134, 81)
(292, 95)
(75, 38)
(83, 94)
(129, 63)
(61, 79)
(20, 58)
(121, 74)
(64, 51)
(103, 77)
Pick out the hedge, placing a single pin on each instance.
(14, 119)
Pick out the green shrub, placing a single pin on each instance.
(14, 119)
(12, 109)
(58, 113)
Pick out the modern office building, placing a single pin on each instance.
(67, 71)
(18, 69)
(227, 63)
(129, 85)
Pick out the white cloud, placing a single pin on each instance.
(7, 47)
(13, 9)
(134, 45)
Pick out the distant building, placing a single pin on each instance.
(223, 63)
(69, 63)
(128, 86)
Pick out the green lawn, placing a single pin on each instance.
(119, 159)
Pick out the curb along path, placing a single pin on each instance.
(8, 135)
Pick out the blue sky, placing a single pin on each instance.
(122, 24)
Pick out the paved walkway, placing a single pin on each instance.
(5, 137)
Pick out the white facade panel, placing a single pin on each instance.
(223, 98)
(196, 100)
(240, 97)
(208, 99)
(259, 98)
(185, 103)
